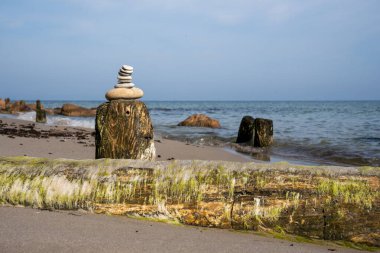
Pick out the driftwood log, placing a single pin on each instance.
(124, 131)
(332, 203)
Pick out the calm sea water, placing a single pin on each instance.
(333, 132)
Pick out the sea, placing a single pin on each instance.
(306, 132)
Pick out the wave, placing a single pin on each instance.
(56, 120)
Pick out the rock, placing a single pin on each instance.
(77, 111)
(17, 106)
(124, 131)
(263, 132)
(33, 106)
(2, 104)
(124, 85)
(246, 130)
(40, 113)
(200, 120)
(124, 79)
(123, 93)
(127, 69)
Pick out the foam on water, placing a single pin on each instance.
(56, 120)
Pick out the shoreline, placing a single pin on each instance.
(27, 138)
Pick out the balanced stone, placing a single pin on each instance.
(122, 73)
(124, 131)
(124, 93)
(127, 79)
(124, 85)
(126, 69)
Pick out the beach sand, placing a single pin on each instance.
(32, 230)
(25, 138)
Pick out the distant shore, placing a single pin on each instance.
(26, 138)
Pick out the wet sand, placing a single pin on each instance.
(32, 230)
(25, 138)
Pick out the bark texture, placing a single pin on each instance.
(124, 131)
(40, 113)
(246, 130)
(263, 132)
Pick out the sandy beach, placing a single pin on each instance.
(31, 230)
(25, 138)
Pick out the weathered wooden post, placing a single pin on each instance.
(40, 113)
(263, 132)
(123, 126)
(246, 130)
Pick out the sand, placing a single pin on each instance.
(32, 230)
(25, 138)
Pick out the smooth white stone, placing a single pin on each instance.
(124, 77)
(124, 85)
(127, 68)
(121, 73)
(122, 93)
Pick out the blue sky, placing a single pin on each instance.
(191, 49)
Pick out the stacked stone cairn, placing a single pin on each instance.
(123, 128)
(124, 89)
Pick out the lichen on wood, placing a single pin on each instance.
(332, 203)
(124, 131)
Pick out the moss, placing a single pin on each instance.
(251, 197)
(348, 191)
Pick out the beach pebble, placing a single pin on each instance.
(123, 93)
(124, 85)
(125, 78)
(127, 68)
(121, 73)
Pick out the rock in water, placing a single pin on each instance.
(2, 104)
(263, 132)
(200, 120)
(124, 131)
(40, 113)
(73, 110)
(246, 130)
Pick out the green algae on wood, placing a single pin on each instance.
(334, 203)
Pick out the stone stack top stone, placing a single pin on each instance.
(124, 89)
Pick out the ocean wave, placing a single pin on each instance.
(56, 120)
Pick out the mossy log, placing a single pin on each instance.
(334, 203)
(124, 131)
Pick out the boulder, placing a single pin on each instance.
(263, 132)
(53, 111)
(2, 104)
(123, 130)
(34, 106)
(17, 106)
(246, 130)
(40, 113)
(77, 111)
(200, 120)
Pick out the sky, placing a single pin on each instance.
(191, 49)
